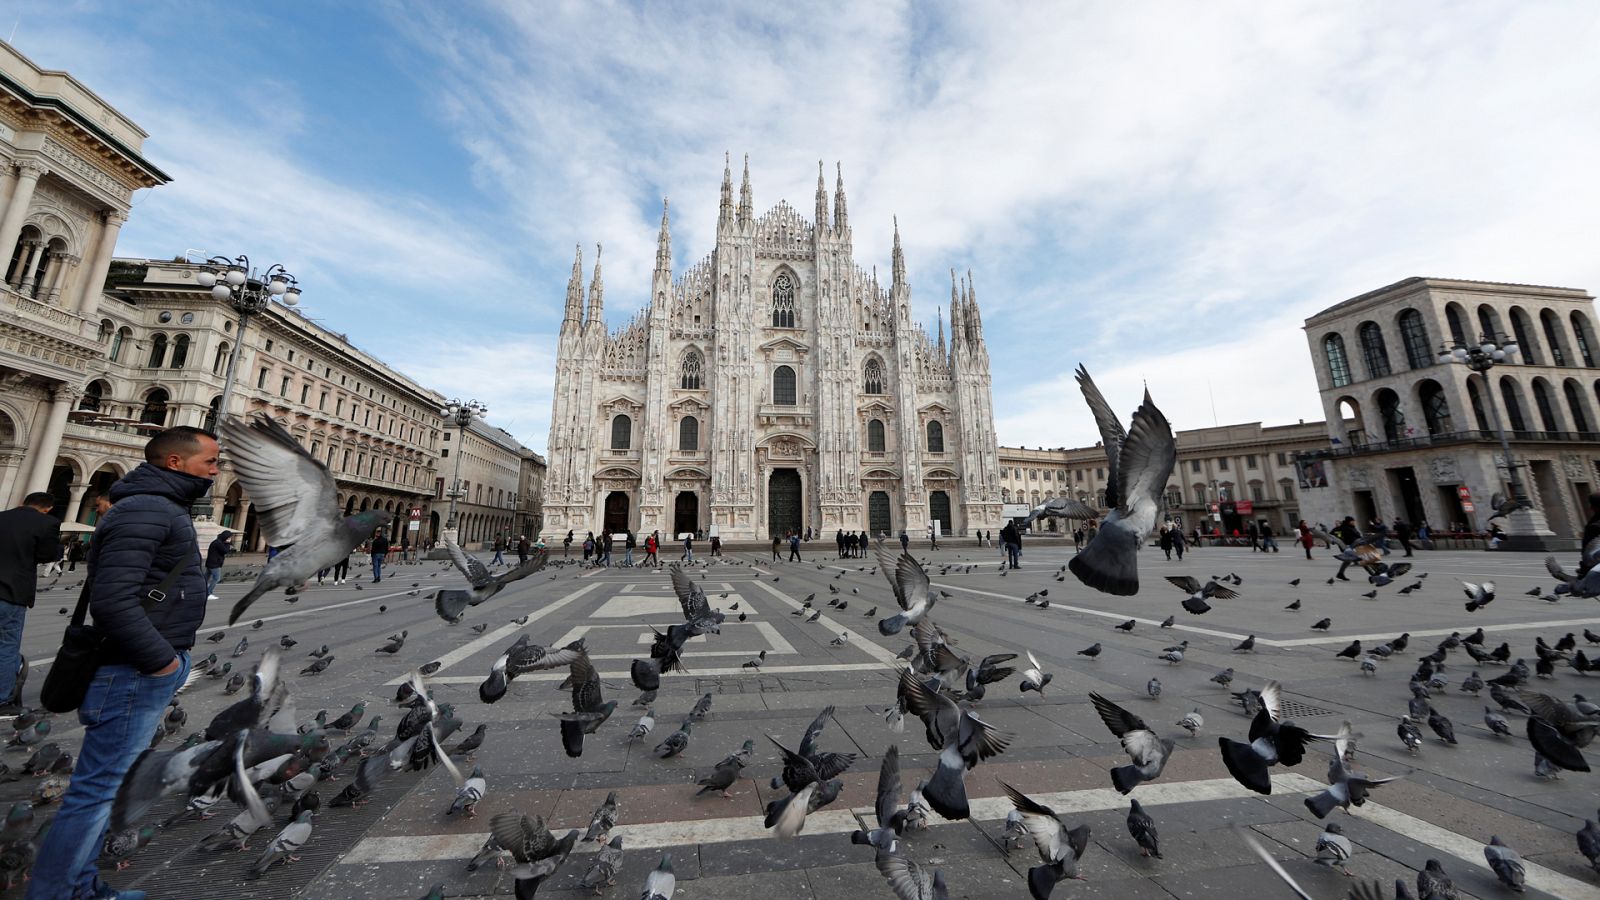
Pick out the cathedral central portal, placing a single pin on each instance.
(784, 504)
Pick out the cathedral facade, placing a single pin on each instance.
(774, 386)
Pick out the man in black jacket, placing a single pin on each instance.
(216, 555)
(29, 535)
(145, 655)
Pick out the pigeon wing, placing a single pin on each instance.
(524, 570)
(477, 574)
(1188, 583)
(1111, 434)
(585, 685)
(1119, 720)
(1148, 456)
(524, 838)
(1272, 700)
(1555, 570)
(980, 740)
(888, 799)
(906, 878)
(690, 597)
(1041, 824)
(912, 581)
(294, 494)
(808, 741)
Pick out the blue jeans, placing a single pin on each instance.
(627, 556)
(119, 712)
(212, 577)
(377, 567)
(499, 560)
(1013, 552)
(11, 618)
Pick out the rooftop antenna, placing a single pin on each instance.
(1213, 396)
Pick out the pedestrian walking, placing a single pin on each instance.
(688, 546)
(1166, 541)
(29, 536)
(588, 548)
(1011, 538)
(1255, 537)
(566, 545)
(933, 536)
(777, 542)
(146, 546)
(794, 546)
(716, 545)
(76, 551)
(1178, 541)
(1402, 533)
(607, 541)
(216, 554)
(1306, 538)
(905, 541)
(652, 544)
(522, 548)
(628, 543)
(1268, 542)
(380, 549)
(499, 551)
(341, 570)
(1349, 533)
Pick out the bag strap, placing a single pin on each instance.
(151, 598)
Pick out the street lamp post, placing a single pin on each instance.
(1526, 528)
(460, 413)
(234, 282)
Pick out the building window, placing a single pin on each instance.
(92, 396)
(1250, 461)
(1222, 464)
(1435, 408)
(1458, 331)
(783, 301)
(689, 434)
(874, 377)
(691, 370)
(284, 389)
(1394, 418)
(1338, 363)
(1414, 335)
(261, 379)
(322, 402)
(1194, 466)
(1283, 459)
(936, 440)
(1286, 489)
(221, 359)
(1529, 349)
(1079, 476)
(1552, 334)
(1580, 329)
(1033, 474)
(121, 338)
(1547, 409)
(875, 440)
(1373, 352)
(621, 433)
(783, 387)
(1255, 492)
(1580, 421)
(180, 351)
(305, 393)
(158, 351)
(155, 408)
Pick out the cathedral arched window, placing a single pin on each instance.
(692, 369)
(935, 437)
(689, 433)
(621, 433)
(783, 386)
(875, 442)
(874, 376)
(783, 301)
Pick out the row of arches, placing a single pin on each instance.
(689, 434)
(1540, 407)
(1555, 349)
(38, 263)
(691, 377)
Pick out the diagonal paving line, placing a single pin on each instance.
(869, 647)
(477, 644)
(694, 673)
(433, 847)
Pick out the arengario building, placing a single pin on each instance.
(773, 386)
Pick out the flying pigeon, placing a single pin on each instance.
(1140, 460)
(451, 605)
(962, 739)
(1059, 848)
(1148, 750)
(1478, 595)
(1271, 741)
(1344, 787)
(1199, 593)
(912, 590)
(296, 498)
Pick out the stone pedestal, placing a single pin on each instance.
(1527, 530)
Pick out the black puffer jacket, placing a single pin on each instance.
(146, 533)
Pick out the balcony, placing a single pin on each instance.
(1450, 439)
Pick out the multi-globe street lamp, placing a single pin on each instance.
(460, 413)
(1489, 351)
(250, 293)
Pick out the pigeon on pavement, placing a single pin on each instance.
(660, 883)
(1506, 863)
(1059, 848)
(283, 848)
(1143, 830)
(297, 502)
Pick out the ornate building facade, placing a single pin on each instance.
(773, 386)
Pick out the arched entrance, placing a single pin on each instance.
(783, 502)
(879, 520)
(685, 512)
(939, 508)
(616, 520)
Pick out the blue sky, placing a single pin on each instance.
(1161, 191)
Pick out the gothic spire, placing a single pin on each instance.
(822, 199)
(664, 242)
(956, 314)
(574, 311)
(597, 298)
(972, 306)
(841, 215)
(746, 207)
(941, 331)
(725, 215)
(899, 259)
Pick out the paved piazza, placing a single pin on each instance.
(1454, 798)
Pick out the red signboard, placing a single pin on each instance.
(416, 512)
(1463, 493)
(1466, 506)
(1244, 507)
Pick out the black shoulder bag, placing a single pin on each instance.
(82, 649)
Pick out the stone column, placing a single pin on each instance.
(58, 277)
(44, 461)
(30, 265)
(28, 174)
(75, 501)
(92, 279)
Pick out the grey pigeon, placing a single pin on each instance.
(1143, 830)
(675, 742)
(660, 883)
(1153, 688)
(1272, 741)
(1345, 787)
(962, 739)
(297, 502)
(1224, 678)
(913, 592)
(283, 848)
(1333, 848)
(603, 871)
(890, 818)
(1192, 722)
(1059, 849)
(1410, 734)
(602, 820)
(1496, 722)
(1478, 595)
(1140, 461)
(1506, 863)
(1434, 884)
(1589, 843)
(645, 725)
(1199, 593)
(1148, 750)
(701, 708)
(451, 605)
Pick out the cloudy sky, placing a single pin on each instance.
(1160, 191)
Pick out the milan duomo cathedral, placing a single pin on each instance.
(775, 386)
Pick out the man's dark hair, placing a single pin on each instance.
(40, 500)
(183, 440)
